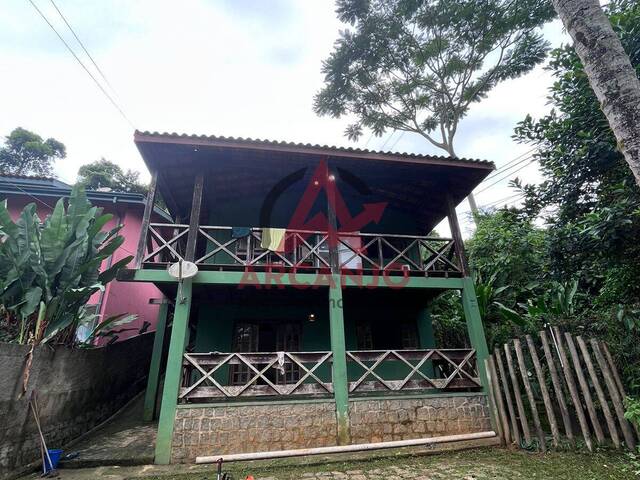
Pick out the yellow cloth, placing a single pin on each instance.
(273, 239)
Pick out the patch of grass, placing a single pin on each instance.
(493, 463)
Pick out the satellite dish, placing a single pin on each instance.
(182, 270)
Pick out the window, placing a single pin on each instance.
(409, 335)
(364, 336)
(245, 339)
(386, 334)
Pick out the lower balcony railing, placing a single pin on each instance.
(228, 248)
(211, 376)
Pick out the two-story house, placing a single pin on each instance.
(307, 323)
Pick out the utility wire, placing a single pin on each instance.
(515, 197)
(506, 176)
(507, 165)
(113, 102)
(511, 198)
(66, 22)
(397, 140)
(368, 140)
(492, 177)
(387, 140)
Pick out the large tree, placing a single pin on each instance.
(589, 195)
(105, 174)
(26, 153)
(418, 65)
(610, 73)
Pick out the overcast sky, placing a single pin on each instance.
(244, 68)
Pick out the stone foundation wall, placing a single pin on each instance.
(404, 419)
(214, 430)
(202, 431)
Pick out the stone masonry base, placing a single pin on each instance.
(224, 429)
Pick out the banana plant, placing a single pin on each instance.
(50, 269)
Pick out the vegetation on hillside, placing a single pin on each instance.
(579, 269)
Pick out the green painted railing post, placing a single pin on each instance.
(339, 364)
(154, 368)
(172, 376)
(475, 328)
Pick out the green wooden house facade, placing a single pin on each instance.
(307, 323)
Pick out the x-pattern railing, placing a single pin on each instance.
(261, 378)
(456, 367)
(163, 242)
(304, 249)
(207, 375)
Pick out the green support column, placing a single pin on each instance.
(475, 328)
(339, 372)
(154, 368)
(179, 333)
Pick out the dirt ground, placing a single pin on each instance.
(477, 464)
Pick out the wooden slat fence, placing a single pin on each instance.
(536, 382)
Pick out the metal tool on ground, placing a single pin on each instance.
(220, 475)
(48, 465)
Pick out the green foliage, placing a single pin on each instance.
(418, 65)
(588, 187)
(52, 268)
(509, 248)
(106, 174)
(26, 153)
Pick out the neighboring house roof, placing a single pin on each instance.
(39, 186)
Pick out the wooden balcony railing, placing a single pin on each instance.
(211, 376)
(219, 249)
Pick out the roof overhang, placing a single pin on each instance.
(417, 185)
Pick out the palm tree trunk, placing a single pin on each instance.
(610, 73)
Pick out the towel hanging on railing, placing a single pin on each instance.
(273, 239)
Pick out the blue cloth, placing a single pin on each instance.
(240, 232)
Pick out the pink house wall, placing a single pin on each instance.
(118, 297)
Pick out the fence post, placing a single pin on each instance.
(557, 385)
(527, 386)
(611, 424)
(566, 367)
(548, 406)
(507, 393)
(614, 393)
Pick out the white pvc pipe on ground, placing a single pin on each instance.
(345, 448)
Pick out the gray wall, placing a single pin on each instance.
(76, 390)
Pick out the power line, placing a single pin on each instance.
(113, 102)
(507, 165)
(397, 140)
(512, 198)
(491, 177)
(387, 140)
(368, 140)
(64, 19)
(506, 176)
(515, 197)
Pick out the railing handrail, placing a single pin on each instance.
(171, 225)
(340, 233)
